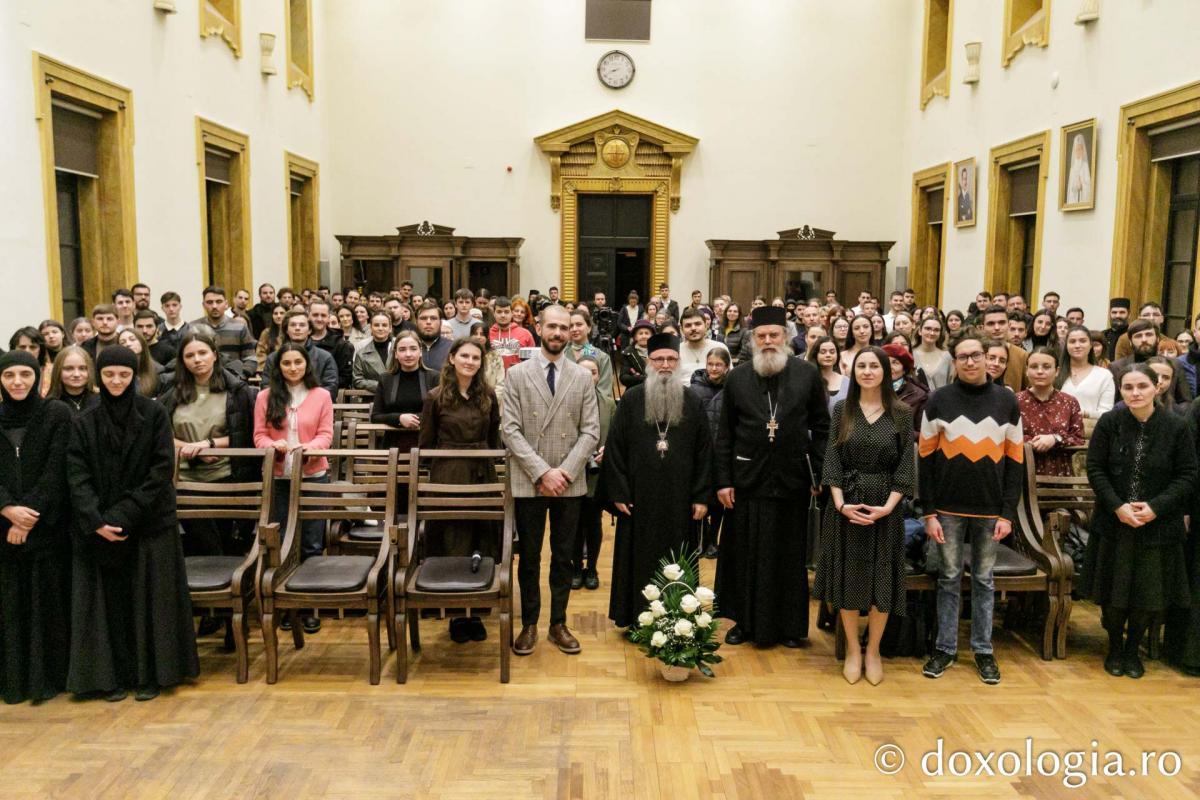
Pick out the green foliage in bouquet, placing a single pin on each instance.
(678, 626)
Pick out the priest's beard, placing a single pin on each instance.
(769, 361)
(664, 398)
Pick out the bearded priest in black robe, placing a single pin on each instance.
(774, 422)
(657, 467)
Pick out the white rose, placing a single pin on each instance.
(657, 609)
(651, 592)
(703, 619)
(645, 618)
(689, 604)
(658, 639)
(684, 628)
(672, 572)
(705, 596)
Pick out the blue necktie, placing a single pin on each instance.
(550, 378)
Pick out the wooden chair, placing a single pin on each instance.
(331, 581)
(1052, 503)
(442, 582)
(349, 396)
(359, 536)
(227, 583)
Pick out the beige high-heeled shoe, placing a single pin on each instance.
(874, 672)
(852, 672)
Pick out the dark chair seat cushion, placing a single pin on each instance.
(453, 574)
(331, 574)
(365, 531)
(370, 530)
(209, 573)
(1009, 563)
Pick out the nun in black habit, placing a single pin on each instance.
(34, 539)
(130, 608)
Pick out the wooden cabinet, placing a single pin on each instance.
(802, 263)
(434, 259)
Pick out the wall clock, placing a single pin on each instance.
(615, 69)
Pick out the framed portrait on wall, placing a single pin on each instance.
(965, 192)
(1078, 174)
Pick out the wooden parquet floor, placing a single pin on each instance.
(774, 724)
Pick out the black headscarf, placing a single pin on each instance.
(117, 411)
(17, 413)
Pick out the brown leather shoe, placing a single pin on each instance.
(525, 643)
(562, 638)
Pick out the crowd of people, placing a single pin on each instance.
(700, 426)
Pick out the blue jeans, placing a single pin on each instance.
(312, 531)
(978, 531)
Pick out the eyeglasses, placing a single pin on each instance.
(969, 357)
(662, 361)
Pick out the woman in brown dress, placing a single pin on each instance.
(462, 414)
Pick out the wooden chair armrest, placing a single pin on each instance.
(506, 559)
(1029, 544)
(383, 559)
(1059, 524)
(251, 563)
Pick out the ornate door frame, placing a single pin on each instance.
(615, 153)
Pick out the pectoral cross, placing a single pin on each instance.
(772, 426)
(662, 445)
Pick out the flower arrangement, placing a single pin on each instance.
(678, 627)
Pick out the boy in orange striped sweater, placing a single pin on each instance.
(971, 455)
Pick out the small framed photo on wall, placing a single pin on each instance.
(966, 189)
(1077, 191)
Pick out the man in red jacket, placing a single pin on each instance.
(507, 338)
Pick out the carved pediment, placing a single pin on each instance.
(806, 233)
(425, 228)
(615, 146)
(671, 141)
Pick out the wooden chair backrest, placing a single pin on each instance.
(229, 500)
(359, 411)
(456, 501)
(355, 396)
(375, 433)
(368, 491)
(1048, 493)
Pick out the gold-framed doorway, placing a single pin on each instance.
(615, 153)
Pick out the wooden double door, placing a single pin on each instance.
(614, 246)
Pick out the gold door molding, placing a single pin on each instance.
(615, 153)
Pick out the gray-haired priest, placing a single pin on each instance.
(657, 468)
(770, 443)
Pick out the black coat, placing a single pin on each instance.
(37, 479)
(130, 608)
(710, 397)
(141, 499)
(343, 356)
(385, 408)
(736, 340)
(1144, 567)
(745, 458)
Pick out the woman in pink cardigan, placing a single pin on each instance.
(295, 414)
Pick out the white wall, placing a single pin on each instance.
(1137, 48)
(175, 76)
(795, 103)
(806, 112)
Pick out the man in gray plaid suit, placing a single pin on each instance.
(551, 427)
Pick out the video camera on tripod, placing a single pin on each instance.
(604, 328)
